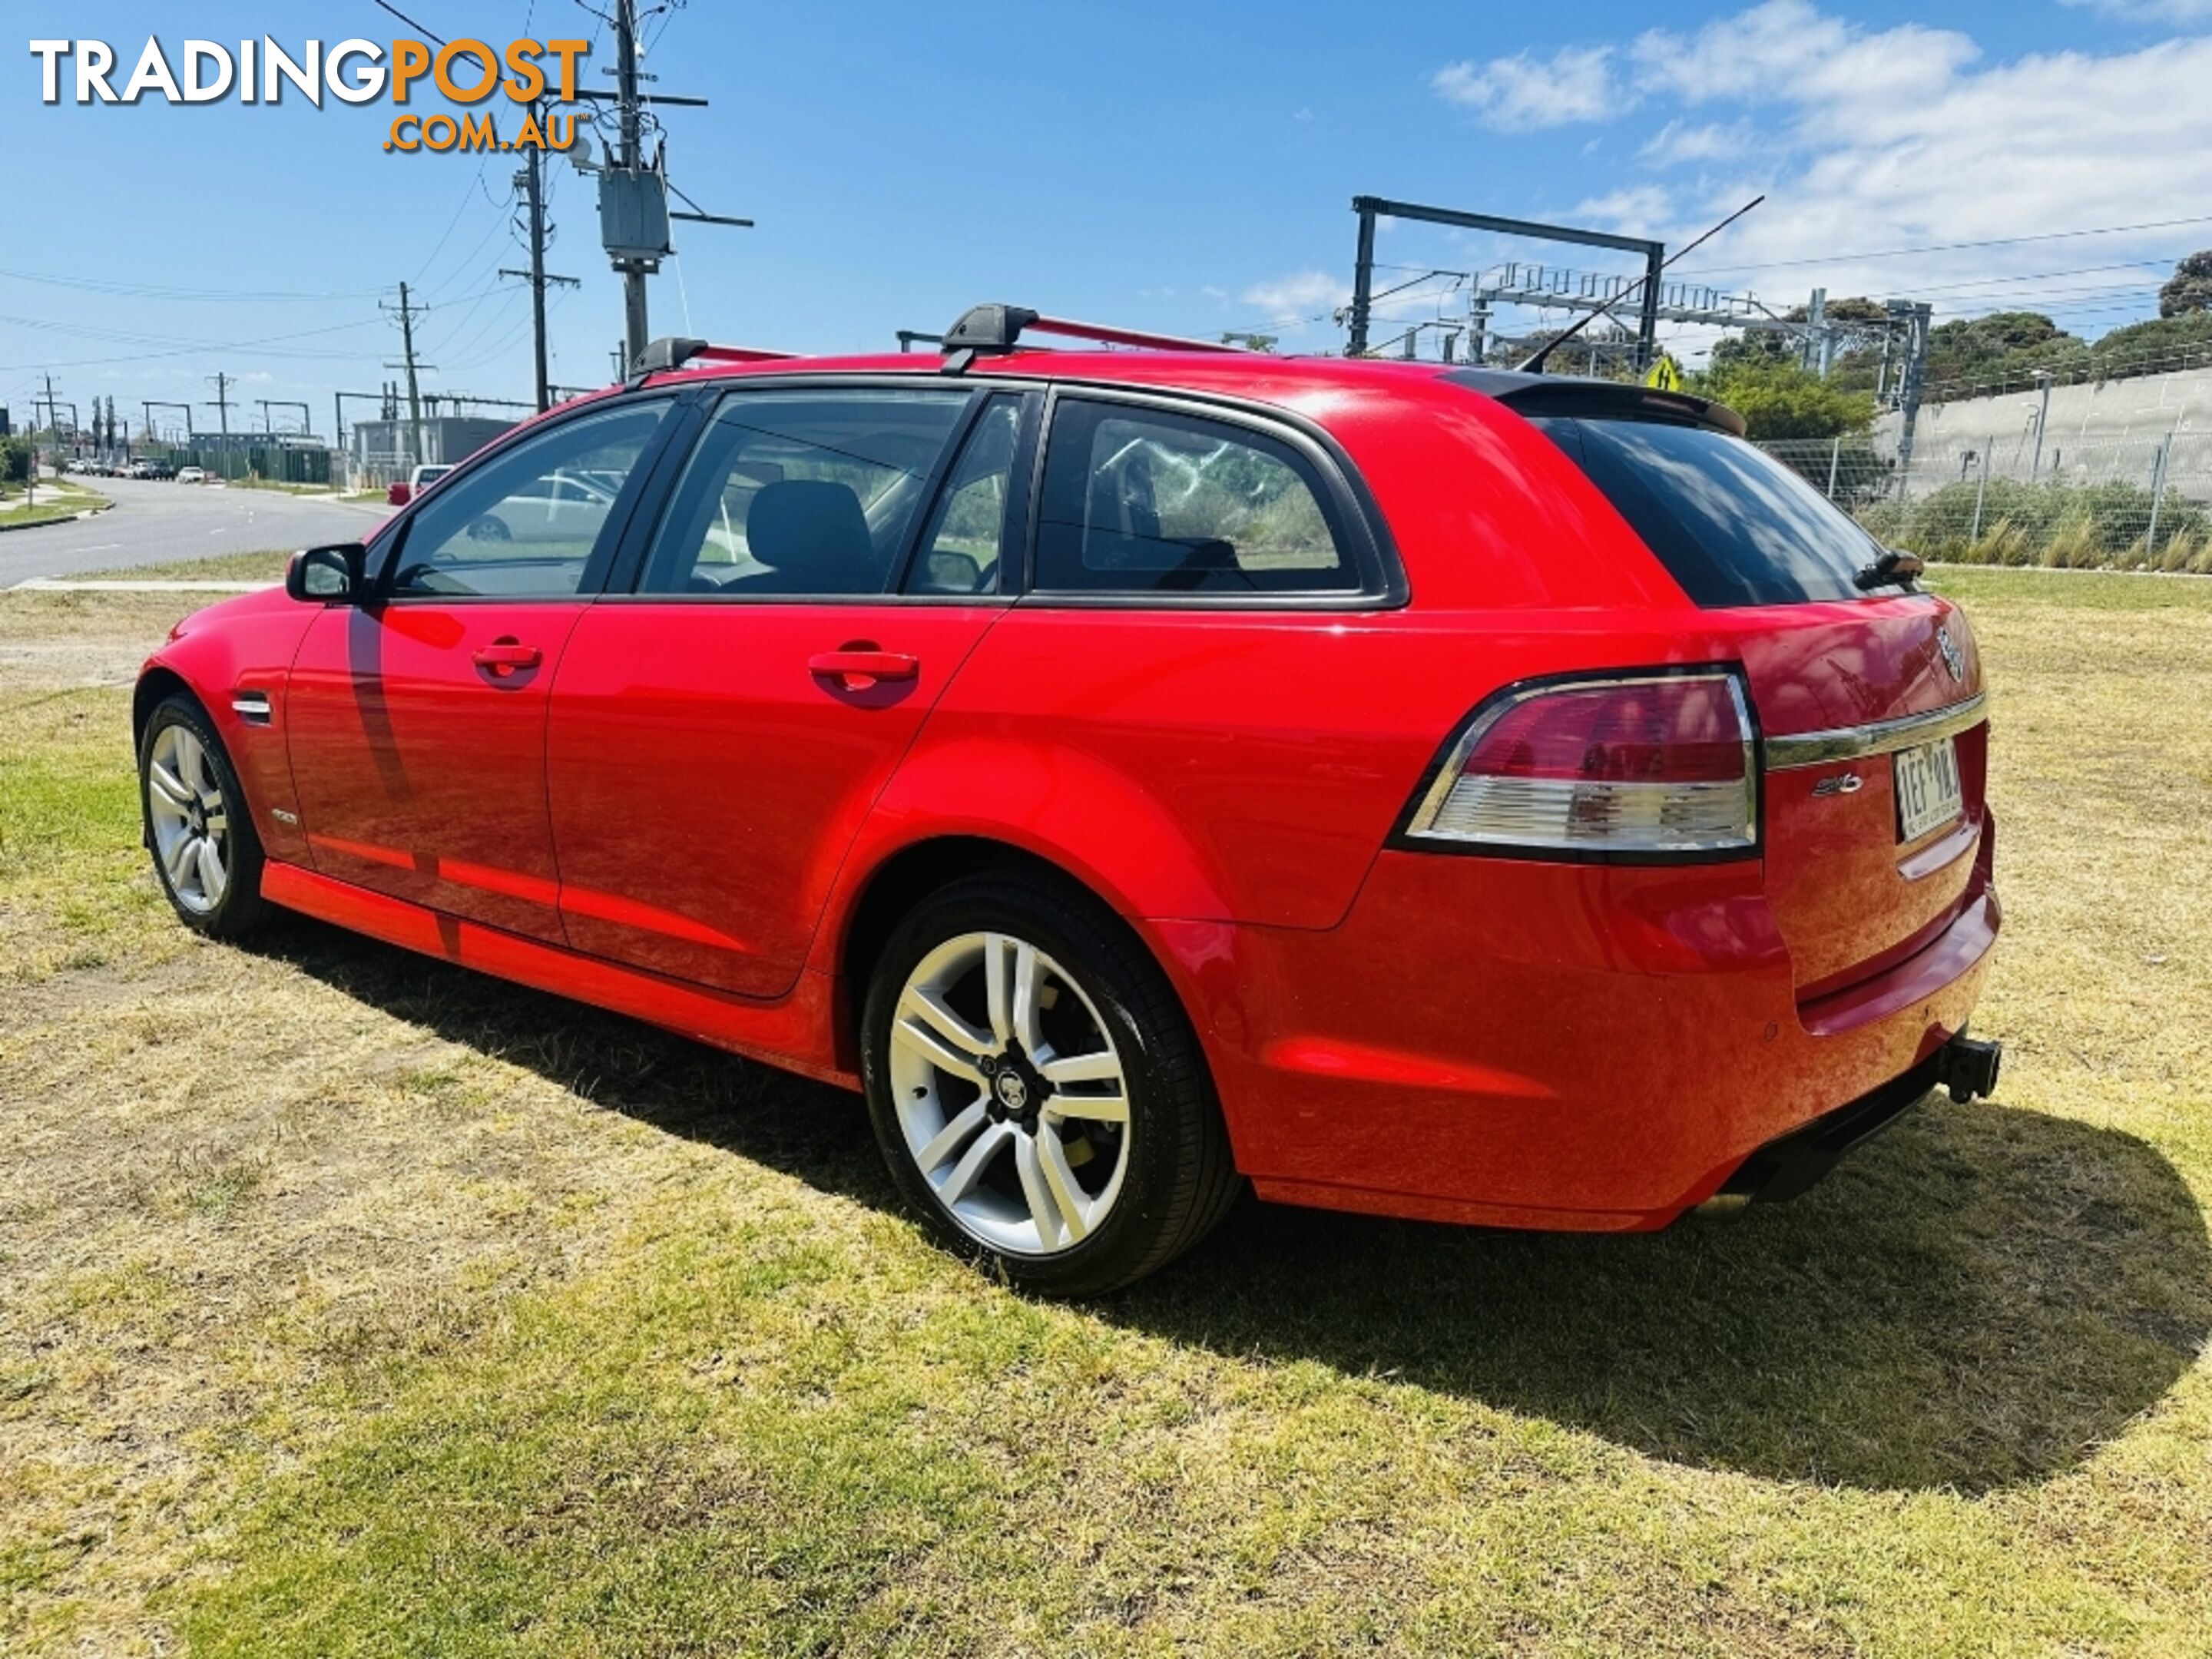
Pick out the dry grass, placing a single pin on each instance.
(350, 1304)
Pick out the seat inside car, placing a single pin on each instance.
(814, 539)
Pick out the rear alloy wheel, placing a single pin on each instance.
(1038, 1091)
(197, 827)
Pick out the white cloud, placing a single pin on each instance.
(1867, 140)
(1637, 210)
(1294, 298)
(1678, 142)
(1521, 92)
(1788, 51)
(2151, 11)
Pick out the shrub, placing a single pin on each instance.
(2099, 524)
(2002, 543)
(2074, 545)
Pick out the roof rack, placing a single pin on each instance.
(996, 328)
(673, 351)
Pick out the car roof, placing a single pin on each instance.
(1221, 372)
(1261, 375)
(1302, 383)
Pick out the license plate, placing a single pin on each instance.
(1928, 792)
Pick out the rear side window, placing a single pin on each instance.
(1141, 501)
(1732, 525)
(807, 492)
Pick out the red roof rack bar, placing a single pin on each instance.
(1128, 336)
(722, 354)
(673, 351)
(997, 328)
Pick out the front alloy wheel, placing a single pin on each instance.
(189, 818)
(1037, 1087)
(197, 824)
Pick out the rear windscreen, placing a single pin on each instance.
(1731, 524)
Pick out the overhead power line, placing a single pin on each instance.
(130, 290)
(1951, 248)
(411, 22)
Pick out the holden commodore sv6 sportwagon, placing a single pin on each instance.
(1439, 792)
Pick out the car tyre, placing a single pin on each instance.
(197, 825)
(999, 1116)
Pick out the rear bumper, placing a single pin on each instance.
(1548, 1046)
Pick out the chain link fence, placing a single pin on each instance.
(2144, 504)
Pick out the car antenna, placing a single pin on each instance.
(1534, 364)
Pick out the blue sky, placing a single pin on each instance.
(1182, 165)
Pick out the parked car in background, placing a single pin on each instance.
(191, 475)
(1434, 791)
(418, 481)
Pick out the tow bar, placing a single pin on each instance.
(1968, 1067)
(1786, 1167)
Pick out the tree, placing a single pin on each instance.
(2189, 288)
(1773, 346)
(1753, 346)
(1852, 309)
(1778, 399)
(1604, 349)
(1994, 334)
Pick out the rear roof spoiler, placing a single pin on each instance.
(1560, 394)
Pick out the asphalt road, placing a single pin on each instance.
(160, 523)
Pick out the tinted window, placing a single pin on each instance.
(1732, 525)
(1138, 501)
(806, 492)
(526, 523)
(967, 536)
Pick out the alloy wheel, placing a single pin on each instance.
(190, 819)
(1011, 1095)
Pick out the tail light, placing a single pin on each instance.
(1653, 766)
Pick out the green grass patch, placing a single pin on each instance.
(52, 501)
(75, 887)
(2072, 590)
(264, 566)
(280, 486)
(353, 1304)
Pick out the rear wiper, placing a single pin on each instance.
(1894, 569)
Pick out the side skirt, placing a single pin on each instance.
(794, 1034)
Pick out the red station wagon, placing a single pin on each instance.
(1436, 792)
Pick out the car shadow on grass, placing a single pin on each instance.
(1975, 1300)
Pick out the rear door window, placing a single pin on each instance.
(805, 492)
(1731, 524)
(1145, 501)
